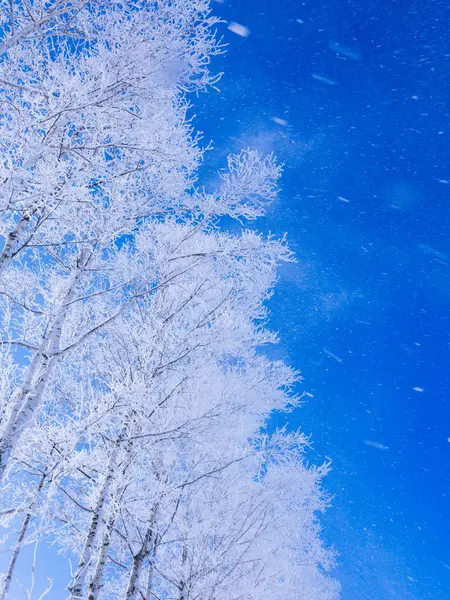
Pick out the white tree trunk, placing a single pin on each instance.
(148, 590)
(76, 588)
(137, 564)
(30, 395)
(182, 585)
(14, 557)
(12, 243)
(18, 546)
(97, 578)
(10, 432)
(96, 524)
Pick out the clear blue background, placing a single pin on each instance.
(372, 283)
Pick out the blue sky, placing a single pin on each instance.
(360, 92)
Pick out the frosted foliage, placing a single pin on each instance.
(134, 396)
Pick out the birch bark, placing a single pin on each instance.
(97, 523)
(19, 544)
(29, 396)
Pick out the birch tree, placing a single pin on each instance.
(172, 411)
(134, 392)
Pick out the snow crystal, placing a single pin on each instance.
(239, 29)
(342, 199)
(418, 389)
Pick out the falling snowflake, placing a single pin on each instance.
(376, 445)
(279, 121)
(239, 29)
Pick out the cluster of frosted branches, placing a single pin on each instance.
(133, 393)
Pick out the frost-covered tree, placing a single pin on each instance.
(133, 392)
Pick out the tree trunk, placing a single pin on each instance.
(79, 580)
(138, 561)
(76, 589)
(18, 546)
(14, 557)
(148, 590)
(30, 395)
(12, 243)
(96, 581)
(182, 587)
